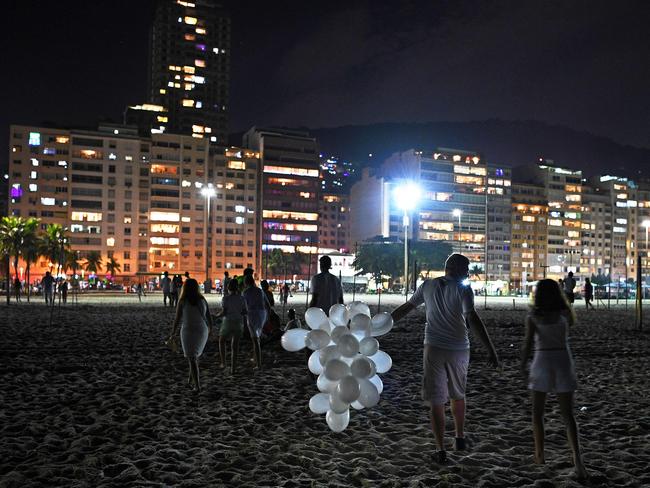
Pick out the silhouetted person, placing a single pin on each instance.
(48, 283)
(166, 285)
(589, 294)
(325, 287)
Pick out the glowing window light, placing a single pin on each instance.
(187, 102)
(198, 104)
(110, 241)
(162, 91)
(189, 86)
(34, 162)
(199, 63)
(34, 138)
(200, 30)
(62, 139)
(48, 201)
(199, 79)
(241, 165)
(198, 129)
(190, 37)
(186, 219)
(33, 187)
(200, 47)
(189, 69)
(285, 170)
(164, 241)
(190, 20)
(288, 215)
(33, 175)
(164, 216)
(240, 220)
(240, 209)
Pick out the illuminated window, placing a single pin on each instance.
(164, 216)
(162, 118)
(199, 79)
(469, 180)
(33, 175)
(189, 87)
(199, 104)
(164, 241)
(34, 138)
(200, 47)
(86, 216)
(88, 153)
(240, 209)
(33, 187)
(127, 220)
(199, 63)
(161, 168)
(62, 139)
(237, 165)
(199, 129)
(189, 69)
(291, 227)
(282, 214)
(162, 91)
(200, 30)
(48, 201)
(286, 170)
(573, 234)
(619, 229)
(186, 219)
(305, 194)
(110, 242)
(456, 158)
(190, 20)
(188, 103)
(573, 198)
(240, 220)
(555, 222)
(528, 218)
(190, 37)
(165, 228)
(447, 226)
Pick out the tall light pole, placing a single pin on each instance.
(646, 224)
(406, 197)
(458, 213)
(208, 192)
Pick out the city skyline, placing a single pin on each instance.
(568, 76)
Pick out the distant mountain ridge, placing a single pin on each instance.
(511, 143)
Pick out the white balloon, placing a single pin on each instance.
(368, 346)
(360, 326)
(376, 380)
(339, 315)
(319, 403)
(335, 369)
(314, 317)
(325, 325)
(324, 385)
(368, 393)
(329, 352)
(294, 339)
(348, 345)
(337, 404)
(382, 361)
(362, 367)
(358, 307)
(356, 405)
(338, 332)
(314, 363)
(337, 422)
(317, 339)
(381, 324)
(348, 389)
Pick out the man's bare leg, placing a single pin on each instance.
(438, 425)
(458, 411)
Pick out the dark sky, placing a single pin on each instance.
(583, 64)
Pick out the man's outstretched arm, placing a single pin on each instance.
(478, 327)
(402, 311)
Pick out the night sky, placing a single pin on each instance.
(582, 64)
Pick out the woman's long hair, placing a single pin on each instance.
(549, 298)
(190, 292)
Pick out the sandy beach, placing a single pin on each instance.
(96, 399)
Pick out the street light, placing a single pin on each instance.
(406, 197)
(208, 192)
(458, 213)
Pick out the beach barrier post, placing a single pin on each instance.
(639, 294)
(513, 304)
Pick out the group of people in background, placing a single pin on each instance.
(567, 286)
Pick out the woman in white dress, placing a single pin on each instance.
(258, 309)
(193, 313)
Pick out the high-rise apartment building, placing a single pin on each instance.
(189, 69)
(529, 236)
(499, 212)
(334, 223)
(290, 189)
(140, 200)
(563, 188)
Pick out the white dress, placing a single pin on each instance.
(552, 369)
(194, 328)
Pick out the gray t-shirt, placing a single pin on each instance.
(447, 303)
(235, 306)
(327, 288)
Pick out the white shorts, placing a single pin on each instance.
(552, 372)
(445, 375)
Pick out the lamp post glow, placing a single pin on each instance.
(208, 192)
(458, 213)
(406, 197)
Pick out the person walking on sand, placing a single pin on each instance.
(589, 294)
(225, 283)
(234, 315)
(17, 287)
(140, 291)
(285, 291)
(47, 283)
(552, 369)
(266, 288)
(177, 285)
(166, 285)
(325, 288)
(569, 285)
(449, 311)
(193, 315)
(258, 308)
(63, 289)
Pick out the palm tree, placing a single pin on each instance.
(476, 271)
(12, 232)
(113, 267)
(31, 249)
(71, 261)
(93, 262)
(55, 243)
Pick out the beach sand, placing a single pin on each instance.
(97, 400)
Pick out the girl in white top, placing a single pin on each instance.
(552, 369)
(192, 311)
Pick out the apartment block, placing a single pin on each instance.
(140, 200)
(499, 213)
(529, 236)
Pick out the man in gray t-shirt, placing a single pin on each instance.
(450, 310)
(325, 287)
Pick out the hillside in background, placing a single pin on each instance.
(500, 142)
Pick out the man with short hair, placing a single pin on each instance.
(325, 287)
(569, 286)
(449, 311)
(166, 285)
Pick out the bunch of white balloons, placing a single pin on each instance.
(346, 358)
